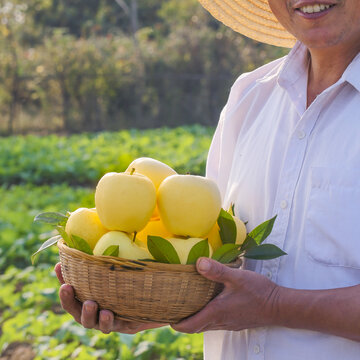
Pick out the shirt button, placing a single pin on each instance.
(301, 134)
(256, 349)
(269, 274)
(283, 204)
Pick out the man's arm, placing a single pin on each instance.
(251, 300)
(333, 311)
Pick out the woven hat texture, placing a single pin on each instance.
(252, 18)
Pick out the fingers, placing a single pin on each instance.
(216, 271)
(201, 321)
(58, 273)
(89, 314)
(69, 303)
(106, 321)
(198, 322)
(133, 327)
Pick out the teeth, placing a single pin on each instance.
(309, 9)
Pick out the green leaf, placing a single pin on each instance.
(227, 253)
(69, 242)
(264, 252)
(50, 242)
(248, 243)
(227, 227)
(262, 231)
(198, 250)
(81, 244)
(52, 218)
(112, 250)
(162, 250)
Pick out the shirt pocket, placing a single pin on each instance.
(332, 222)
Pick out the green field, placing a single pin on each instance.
(55, 173)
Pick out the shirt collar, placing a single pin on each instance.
(293, 75)
(352, 73)
(294, 67)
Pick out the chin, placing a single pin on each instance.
(320, 40)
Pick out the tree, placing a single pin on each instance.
(12, 18)
(131, 11)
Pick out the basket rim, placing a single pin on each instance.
(136, 264)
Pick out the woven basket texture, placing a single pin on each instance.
(137, 290)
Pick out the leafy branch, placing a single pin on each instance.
(58, 221)
(251, 248)
(163, 251)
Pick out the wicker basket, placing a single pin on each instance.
(137, 290)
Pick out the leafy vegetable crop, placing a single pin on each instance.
(83, 159)
(42, 174)
(19, 235)
(30, 311)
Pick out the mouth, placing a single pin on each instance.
(314, 8)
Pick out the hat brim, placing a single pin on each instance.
(252, 18)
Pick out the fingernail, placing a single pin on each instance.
(89, 307)
(204, 265)
(66, 291)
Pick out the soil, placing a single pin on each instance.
(18, 351)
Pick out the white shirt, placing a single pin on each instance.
(270, 155)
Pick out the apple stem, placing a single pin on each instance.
(134, 238)
(132, 171)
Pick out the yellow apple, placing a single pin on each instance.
(240, 230)
(128, 249)
(189, 205)
(154, 169)
(214, 236)
(125, 201)
(183, 247)
(86, 224)
(154, 227)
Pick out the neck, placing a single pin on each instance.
(326, 68)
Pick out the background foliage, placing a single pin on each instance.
(71, 66)
(83, 159)
(105, 82)
(56, 173)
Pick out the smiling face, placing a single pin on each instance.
(320, 23)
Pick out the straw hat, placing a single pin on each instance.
(252, 18)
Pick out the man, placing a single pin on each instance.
(286, 144)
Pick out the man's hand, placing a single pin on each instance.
(247, 300)
(251, 300)
(88, 315)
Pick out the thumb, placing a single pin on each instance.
(213, 270)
